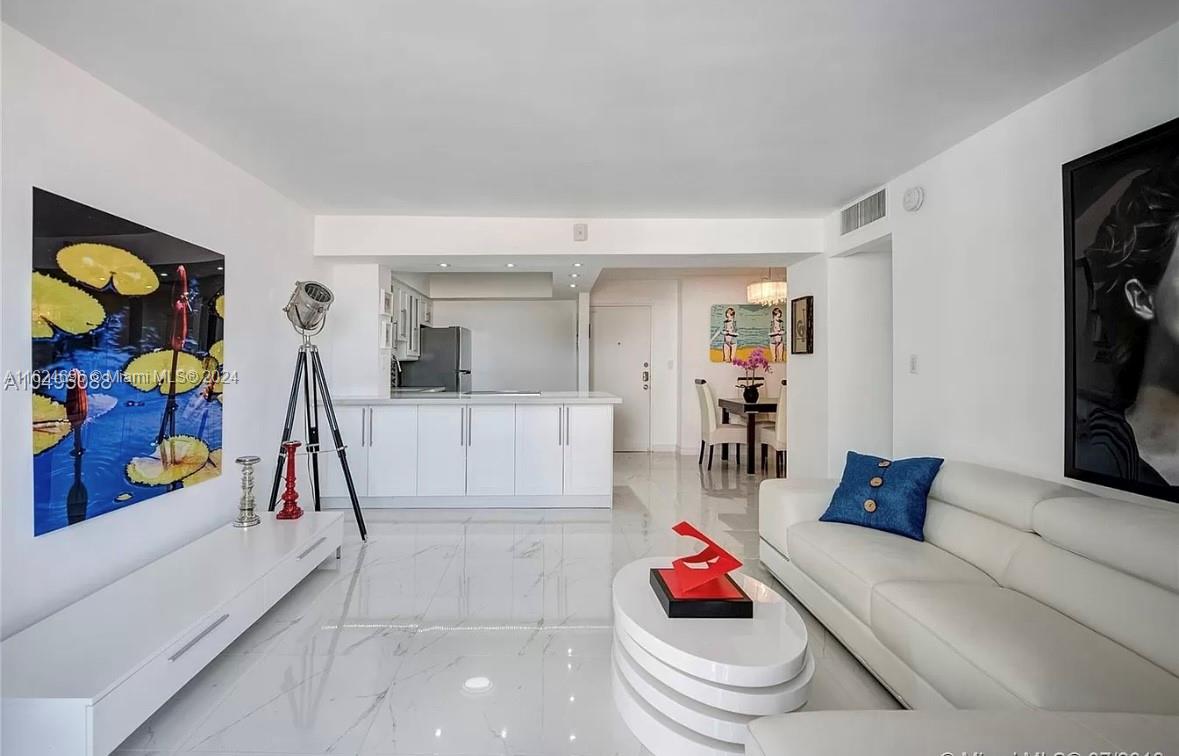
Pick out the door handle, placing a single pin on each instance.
(646, 376)
(198, 638)
(311, 548)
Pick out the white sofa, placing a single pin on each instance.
(1026, 594)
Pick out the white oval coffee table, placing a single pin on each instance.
(691, 686)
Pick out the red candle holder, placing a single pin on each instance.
(290, 497)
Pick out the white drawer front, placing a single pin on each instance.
(117, 714)
(288, 573)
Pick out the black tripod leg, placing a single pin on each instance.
(311, 402)
(292, 403)
(330, 412)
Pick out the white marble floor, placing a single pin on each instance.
(376, 654)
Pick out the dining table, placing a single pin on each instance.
(750, 410)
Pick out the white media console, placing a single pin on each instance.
(80, 681)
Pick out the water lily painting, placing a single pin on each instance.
(128, 352)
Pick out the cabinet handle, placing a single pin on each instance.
(199, 636)
(469, 413)
(568, 426)
(371, 411)
(311, 548)
(560, 427)
(462, 426)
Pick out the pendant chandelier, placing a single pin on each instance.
(766, 292)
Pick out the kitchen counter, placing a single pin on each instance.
(448, 449)
(451, 397)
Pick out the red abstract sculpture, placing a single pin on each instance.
(696, 573)
(290, 497)
(699, 586)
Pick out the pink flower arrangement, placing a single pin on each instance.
(756, 361)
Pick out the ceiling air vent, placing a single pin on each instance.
(862, 213)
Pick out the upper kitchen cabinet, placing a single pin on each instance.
(412, 310)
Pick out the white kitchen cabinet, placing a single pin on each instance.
(540, 450)
(392, 450)
(413, 347)
(412, 311)
(442, 438)
(491, 450)
(589, 446)
(354, 428)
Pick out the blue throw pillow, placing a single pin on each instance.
(888, 495)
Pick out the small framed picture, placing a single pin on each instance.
(802, 325)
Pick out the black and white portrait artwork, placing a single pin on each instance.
(1121, 208)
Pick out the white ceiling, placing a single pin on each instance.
(586, 108)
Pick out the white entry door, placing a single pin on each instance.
(620, 364)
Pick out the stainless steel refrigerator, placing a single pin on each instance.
(445, 360)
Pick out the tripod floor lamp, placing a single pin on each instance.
(307, 311)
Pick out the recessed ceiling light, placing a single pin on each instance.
(510, 265)
(503, 734)
(572, 286)
(577, 265)
(574, 275)
(163, 275)
(443, 265)
(438, 732)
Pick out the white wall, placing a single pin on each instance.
(860, 360)
(68, 133)
(583, 341)
(355, 364)
(978, 271)
(517, 344)
(807, 388)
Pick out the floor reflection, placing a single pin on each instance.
(388, 652)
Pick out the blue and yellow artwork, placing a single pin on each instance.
(739, 329)
(128, 352)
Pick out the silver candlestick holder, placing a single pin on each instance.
(246, 517)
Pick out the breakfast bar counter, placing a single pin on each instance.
(422, 448)
(427, 396)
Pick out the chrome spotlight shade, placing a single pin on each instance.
(308, 306)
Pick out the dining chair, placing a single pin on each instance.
(775, 436)
(712, 397)
(712, 431)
